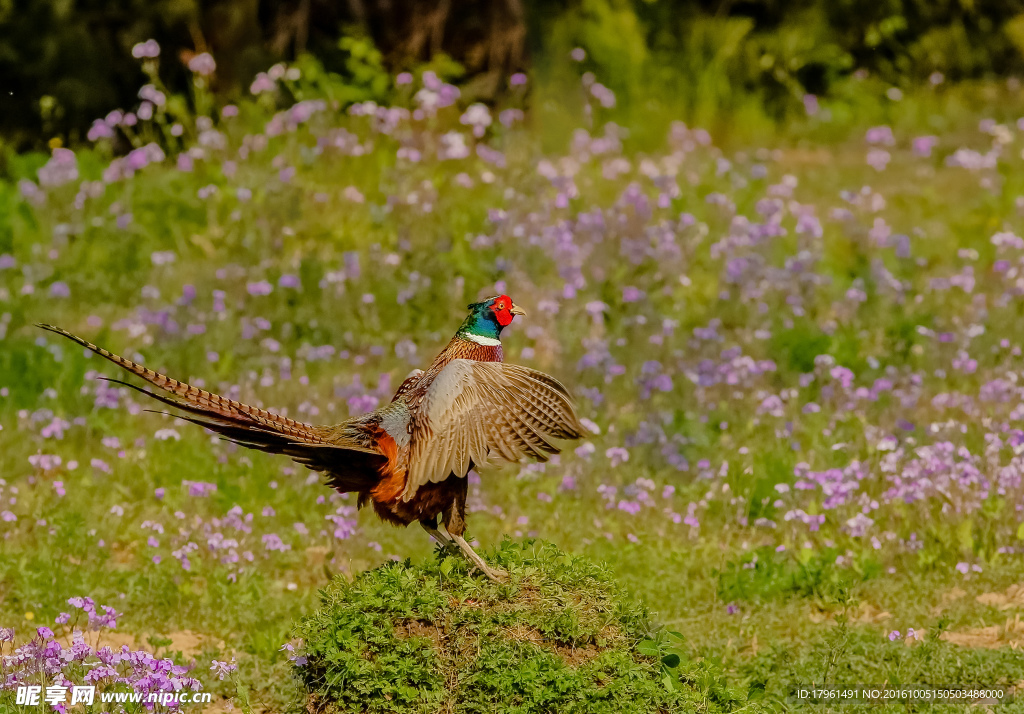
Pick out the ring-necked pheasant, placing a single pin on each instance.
(408, 458)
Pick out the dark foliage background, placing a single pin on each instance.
(65, 62)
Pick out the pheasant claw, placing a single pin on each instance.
(496, 574)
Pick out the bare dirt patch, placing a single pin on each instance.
(187, 642)
(191, 643)
(865, 613)
(1009, 634)
(572, 656)
(525, 633)
(1013, 596)
(417, 628)
(220, 706)
(576, 656)
(108, 638)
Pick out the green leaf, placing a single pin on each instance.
(755, 691)
(447, 566)
(670, 660)
(648, 648)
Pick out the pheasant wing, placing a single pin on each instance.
(475, 409)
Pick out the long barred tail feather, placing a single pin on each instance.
(251, 434)
(185, 406)
(199, 400)
(350, 461)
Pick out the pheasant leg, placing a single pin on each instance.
(454, 518)
(442, 540)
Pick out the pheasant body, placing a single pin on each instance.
(409, 458)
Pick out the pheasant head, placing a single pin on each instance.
(488, 318)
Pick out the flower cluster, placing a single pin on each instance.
(753, 352)
(68, 659)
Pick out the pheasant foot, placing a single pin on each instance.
(496, 574)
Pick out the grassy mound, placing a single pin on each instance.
(560, 636)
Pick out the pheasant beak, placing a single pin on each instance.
(516, 310)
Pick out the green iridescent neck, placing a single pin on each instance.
(480, 324)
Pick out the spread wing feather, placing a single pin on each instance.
(475, 409)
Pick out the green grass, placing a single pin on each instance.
(559, 636)
(815, 606)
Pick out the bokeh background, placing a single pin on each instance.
(773, 248)
(62, 64)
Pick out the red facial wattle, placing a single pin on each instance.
(502, 309)
(504, 317)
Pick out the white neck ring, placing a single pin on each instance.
(481, 340)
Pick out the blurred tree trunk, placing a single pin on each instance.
(487, 38)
